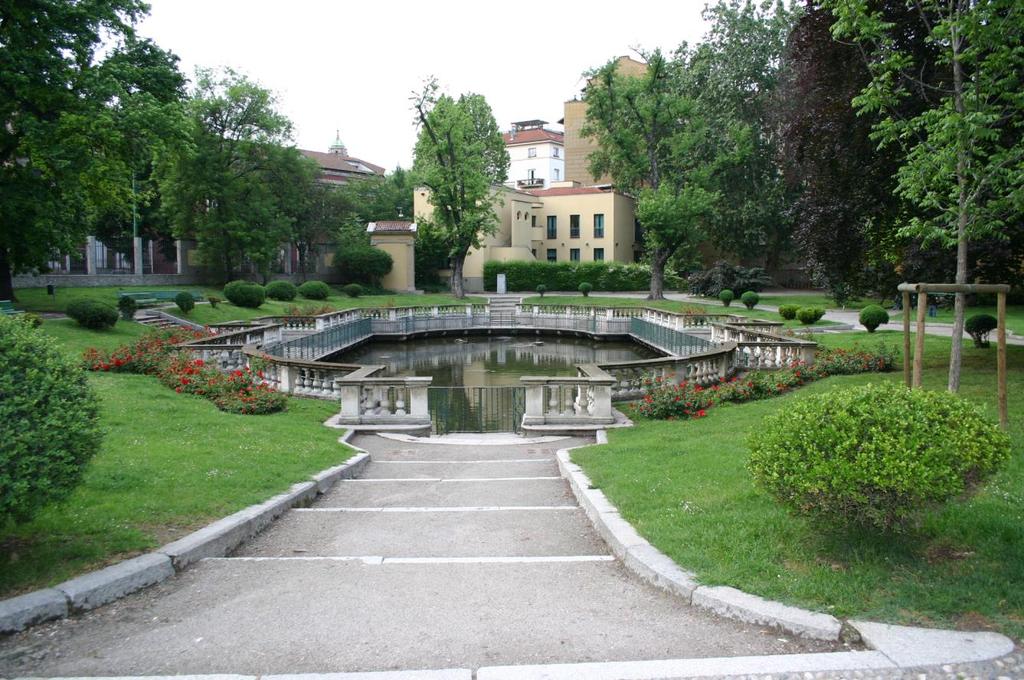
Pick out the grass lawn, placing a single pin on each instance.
(684, 486)
(36, 299)
(1014, 317)
(169, 464)
(821, 300)
(736, 308)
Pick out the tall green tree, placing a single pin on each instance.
(237, 189)
(963, 154)
(734, 75)
(460, 156)
(655, 143)
(78, 122)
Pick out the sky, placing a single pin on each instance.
(351, 67)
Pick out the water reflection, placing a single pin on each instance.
(489, 360)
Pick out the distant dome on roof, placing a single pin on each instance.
(338, 147)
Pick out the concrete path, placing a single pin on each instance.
(436, 557)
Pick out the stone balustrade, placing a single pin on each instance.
(569, 403)
(366, 400)
(703, 368)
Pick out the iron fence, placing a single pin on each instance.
(476, 409)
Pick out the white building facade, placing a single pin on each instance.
(537, 155)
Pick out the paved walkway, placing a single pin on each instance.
(436, 557)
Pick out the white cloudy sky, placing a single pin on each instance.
(351, 66)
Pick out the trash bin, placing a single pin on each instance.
(51, 290)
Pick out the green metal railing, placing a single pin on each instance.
(476, 409)
(667, 339)
(325, 342)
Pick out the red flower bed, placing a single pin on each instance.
(667, 400)
(241, 391)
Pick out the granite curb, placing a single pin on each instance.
(96, 588)
(900, 647)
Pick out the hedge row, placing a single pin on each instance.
(609, 276)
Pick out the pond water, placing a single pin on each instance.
(490, 360)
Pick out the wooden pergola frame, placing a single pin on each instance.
(922, 290)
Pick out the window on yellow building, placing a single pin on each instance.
(574, 226)
(552, 226)
(552, 255)
(598, 254)
(599, 225)
(574, 254)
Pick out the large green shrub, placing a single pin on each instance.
(873, 316)
(92, 314)
(874, 455)
(284, 291)
(726, 296)
(585, 288)
(541, 289)
(314, 290)
(362, 264)
(245, 294)
(979, 326)
(750, 299)
(809, 315)
(48, 421)
(186, 303)
(353, 290)
(608, 276)
(788, 312)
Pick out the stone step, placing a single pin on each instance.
(320, 532)
(459, 469)
(413, 493)
(280, 616)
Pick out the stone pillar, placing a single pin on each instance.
(90, 255)
(137, 255)
(418, 402)
(349, 402)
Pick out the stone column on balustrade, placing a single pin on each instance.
(137, 256)
(350, 409)
(418, 407)
(90, 255)
(535, 404)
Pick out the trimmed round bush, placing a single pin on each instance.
(873, 316)
(809, 315)
(49, 421)
(245, 294)
(92, 314)
(281, 290)
(875, 455)
(750, 299)
(213, 300)
(585, 288)
(362, 264)
(186, 303)
(314, 290)
(541, 289)
(726, 296)
(979, 326)
(353, 290)
(128, 306)
(788, 312)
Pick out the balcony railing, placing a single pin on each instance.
(530, 183)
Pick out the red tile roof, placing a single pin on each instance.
(339, 163)
(394, 226)
(568, 191)
(534, 135)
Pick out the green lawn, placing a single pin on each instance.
(36, 299)
(169, 464)
(1014, 317)
(670, 305)
(684, 487)
(821, 300)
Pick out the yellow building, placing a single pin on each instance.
(398, 239)
(577, 147)
(566, 223)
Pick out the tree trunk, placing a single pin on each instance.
(6, 277)
(457, 289)
(658, 259)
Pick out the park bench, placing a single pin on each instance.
(7, 308)
(152, 297)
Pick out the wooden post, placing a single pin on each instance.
(1004, 417)
(906, 338)
(922, 307)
